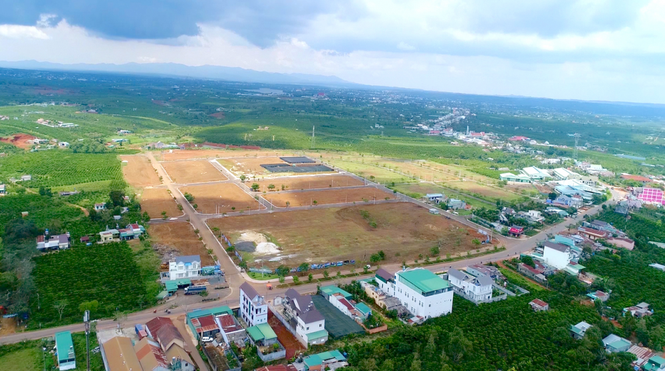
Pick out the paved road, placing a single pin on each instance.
(514, 247)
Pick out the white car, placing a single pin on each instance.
(206, 339)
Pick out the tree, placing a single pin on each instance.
(382, 255)
(271, 187)
(304, 267)
(314, 202)
(243, 178)
(282, 270)
(92, 306)
(435, 251)
(326, 274)
(526, 259)
(255, 187)
(458, 344)
(296, 280)
(310, 278)
(416, 363)
(117, 198)
(552, 196)
(60, 306)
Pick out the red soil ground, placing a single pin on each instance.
(19, 140)
(290, 343)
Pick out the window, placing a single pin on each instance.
(308, 329)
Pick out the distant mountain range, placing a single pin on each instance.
(181, 70)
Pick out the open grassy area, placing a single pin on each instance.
(402, 230)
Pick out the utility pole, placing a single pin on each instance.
(577, 138)
(86, 321)
(313, 136)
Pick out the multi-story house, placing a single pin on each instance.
(422, 292)
(253, 309)
(185, 267)
(476, 289)
(304, 318)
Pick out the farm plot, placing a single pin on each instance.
(337, 323)
(328, 196)
(19, 140)
(483, 190)
(220, 198)
(180, 236)
(309, 182)
(401, 230)
(192, 172)
(250, 166)
(156, 200)
(369, 171)
(138, 171)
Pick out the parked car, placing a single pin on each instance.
(206, 339)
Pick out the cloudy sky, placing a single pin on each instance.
(570, 49)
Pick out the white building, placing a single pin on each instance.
(185, 267)
(55, 242)
(422, 292)
(253, 309)
(535, 173)
(302, 315)
(556, 255)
(476, 289)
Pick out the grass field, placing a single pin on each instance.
(155, 200)
(181, 236)
(192, 171)
(220, 198)
(419, 190)
(28, 359)
(309, 182)
(483, 190)
(369, 171)
(328, 196)
(138, 171)
(403, 231)
(214, 153)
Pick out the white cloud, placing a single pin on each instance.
(416, 44)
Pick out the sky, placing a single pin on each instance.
(566, 49)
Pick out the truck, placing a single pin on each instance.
(195, 290)
(434, 211)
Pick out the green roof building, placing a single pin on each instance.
(64, 350)
(422, 292)
(332, 289)
(423, 281)
(655, 363)
(325, 358)
(262, 334)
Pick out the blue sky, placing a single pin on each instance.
(585, 49)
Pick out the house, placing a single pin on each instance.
(599, 295)
(253, 309)
(534, 216)
(162, 330)
(180, 359)
(616, 344)
(63, 144)
(231, 330)
(262, 335)
(636, 178)
(109, 235)
(475, 289)
(535, 273)
(100, 206)
(579, 330)
(640, 310)
(564, 174)
(559, 212)
(55, 242)
(456, 204)
(304, 318)
(484, 270)
(655, 363)
(601, 225)
(331, 360)
(150, 356)
(658, 266)
(3, 190)
(347, 306)
(434, 197)
(118, 355)
(327, 291)
(538, 305)
(642, 354)
(516, 231)
(64, 351)
(652, 196)
(423, 293)
(593, 234)
(555, 254)
(185, 267)
(26, 178)
(197, 328)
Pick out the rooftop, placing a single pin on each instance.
(64, 343)
(249, 290)
(318, 359)
(556, 246)
(332, 289)
(423, 280)
(261, 332)
(121, 355)
(188, 259)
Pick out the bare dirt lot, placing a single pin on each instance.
(192, 171)
(309, 182)
(403, 231)
(156, 200)
(220, 198)
(249, 166)
(138, 171)
(19, 140)
(180, 236)
(328, 196)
